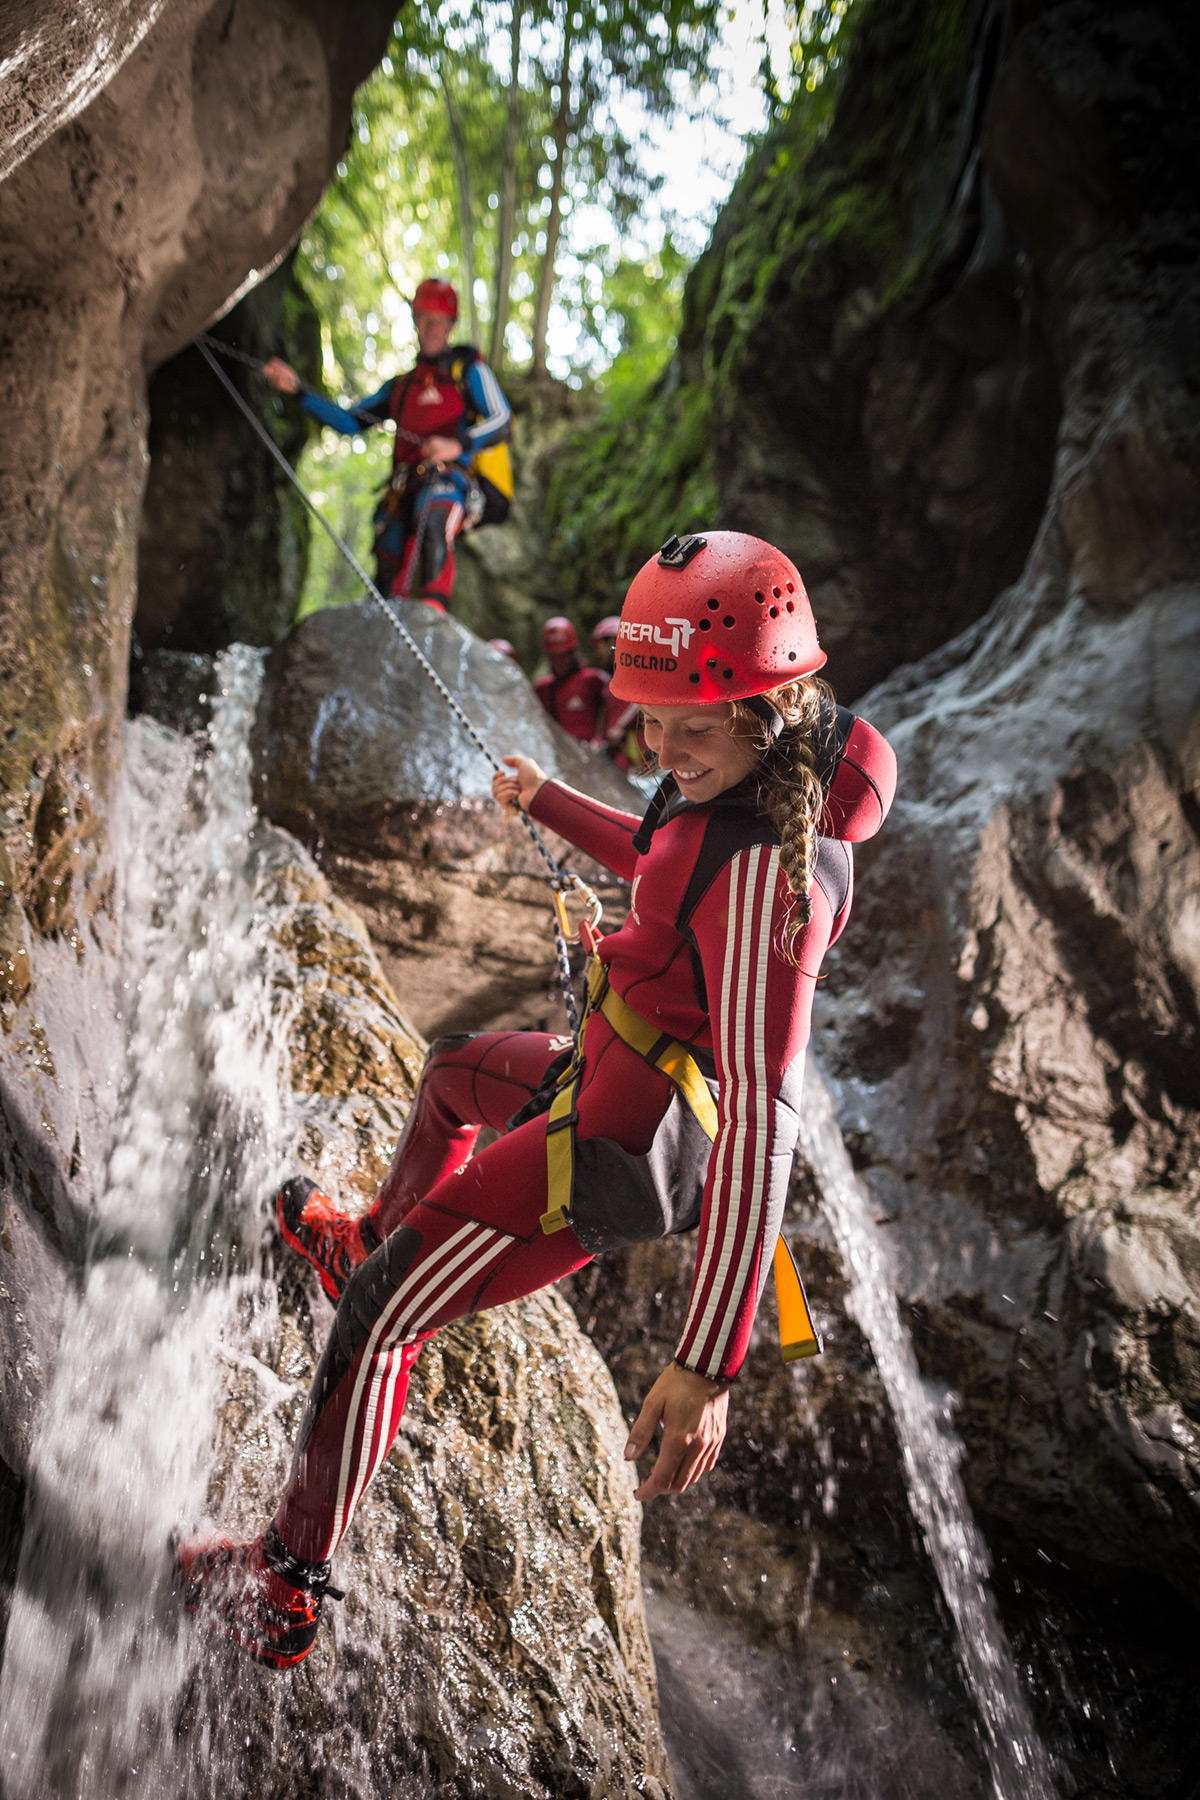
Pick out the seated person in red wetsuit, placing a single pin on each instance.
(742, 877)
(574, 695)
(445, 410)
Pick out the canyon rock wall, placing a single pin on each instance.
(947, 331)
(223, 541)
(121, 234)
(1016, 1010)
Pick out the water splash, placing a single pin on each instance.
(95, 1658)
(1019, 1766)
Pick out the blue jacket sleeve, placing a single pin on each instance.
(492, 410)
(349, 420)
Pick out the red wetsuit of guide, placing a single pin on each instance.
(701, 954)
(576, 701)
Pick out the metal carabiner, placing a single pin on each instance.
(558, 896)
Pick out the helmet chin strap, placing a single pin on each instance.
(664, 793)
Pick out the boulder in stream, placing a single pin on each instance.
(354, 744)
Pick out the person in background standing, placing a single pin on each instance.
(450, 465)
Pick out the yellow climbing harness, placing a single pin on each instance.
(797, 1334)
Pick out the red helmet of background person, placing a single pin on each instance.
(607, 629)
(715, 617)
(559, 636)
(436, 296)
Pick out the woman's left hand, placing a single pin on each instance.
(693, 1412)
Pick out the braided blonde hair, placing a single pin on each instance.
(791, 796)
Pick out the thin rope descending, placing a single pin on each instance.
(562, 880)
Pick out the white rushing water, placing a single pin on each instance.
(1020, 1768)
(95, 1657)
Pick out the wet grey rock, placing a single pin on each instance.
(155, 157)
(1015, 1011)
(56, 59)
(353, 743)
(492, 1643)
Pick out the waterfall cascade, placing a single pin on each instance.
(95, 1659)
(1019, 1766)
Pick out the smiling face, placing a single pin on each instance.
(701, 746)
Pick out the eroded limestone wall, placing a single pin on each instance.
(127, 229)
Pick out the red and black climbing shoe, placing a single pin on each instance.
(264, 1599)
(334, 1242)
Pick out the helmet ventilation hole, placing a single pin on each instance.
(774, 612)
(760, 598)
(711, 663)
(791, 656)
(728, 674)
(693, 676)
(791, 587)
(791, 605)
(778, 595)
(728, 620)
(706, 625)
(714, 605)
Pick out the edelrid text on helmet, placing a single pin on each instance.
(434, 295)
(718, 617)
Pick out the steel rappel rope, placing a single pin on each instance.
(562, 880)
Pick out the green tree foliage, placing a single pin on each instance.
(644, 467)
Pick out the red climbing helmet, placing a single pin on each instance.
(559, 635)
(504, 648)
(718, 617)
(436, 296)
(607, 629)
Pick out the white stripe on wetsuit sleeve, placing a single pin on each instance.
(497, 411)
(740, 1178)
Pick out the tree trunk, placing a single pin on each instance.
(562, 129)
(507, 222)
(466, 212)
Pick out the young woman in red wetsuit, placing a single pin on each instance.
(742, 876)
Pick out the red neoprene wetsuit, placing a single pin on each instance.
(576, 701)
(702, 956)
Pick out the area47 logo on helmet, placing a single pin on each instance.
(633, 632)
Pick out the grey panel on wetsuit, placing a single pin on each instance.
(623, 1199)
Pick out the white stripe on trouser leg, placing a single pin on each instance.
(461, 1260)
(397, 1300)
(401, 1333)
(470, 1245)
